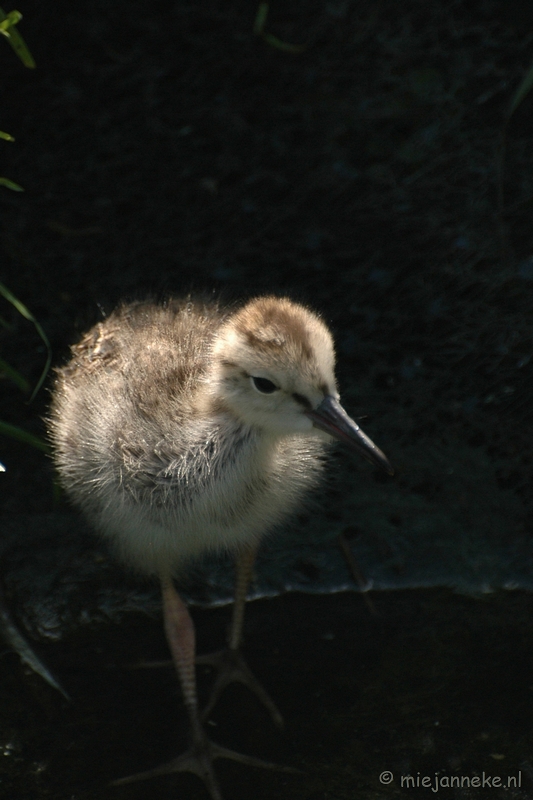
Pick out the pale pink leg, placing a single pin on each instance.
(181, 638)
(229, 662)
(199, 759)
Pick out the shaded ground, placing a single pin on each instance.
(435, 684)
(167, 148)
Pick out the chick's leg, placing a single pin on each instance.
(199, 759)
(229, 662)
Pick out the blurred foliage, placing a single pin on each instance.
(8, 29)
(19, 380)
(26, 313)
(523, 89)
(21, 435)
(273, 41)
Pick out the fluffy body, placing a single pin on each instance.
(162, 439)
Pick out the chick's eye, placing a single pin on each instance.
(264, 386)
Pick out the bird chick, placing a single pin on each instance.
(190, 427)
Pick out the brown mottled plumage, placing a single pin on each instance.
(187, 427)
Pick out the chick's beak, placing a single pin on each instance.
(331, 417)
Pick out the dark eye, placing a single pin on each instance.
(264, 386)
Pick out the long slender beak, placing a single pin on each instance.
(331, 417)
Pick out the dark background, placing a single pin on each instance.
(373, 174)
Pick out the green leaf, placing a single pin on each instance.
(11, 185)
(23, 436)
(8, 21)
(26, 313)
(8, 28)
(6, 136)
(260, 18)
(273, 41)
(523, 89)
(14, 375)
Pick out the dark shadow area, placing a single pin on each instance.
(435, 684)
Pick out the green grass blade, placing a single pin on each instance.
(286, 47)
(273, 41)
(23, 436)
(14, 375)
(26, 313)
(522, 91)
(9, 20)
(11, 185)
(8, 24)
(260, 18)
